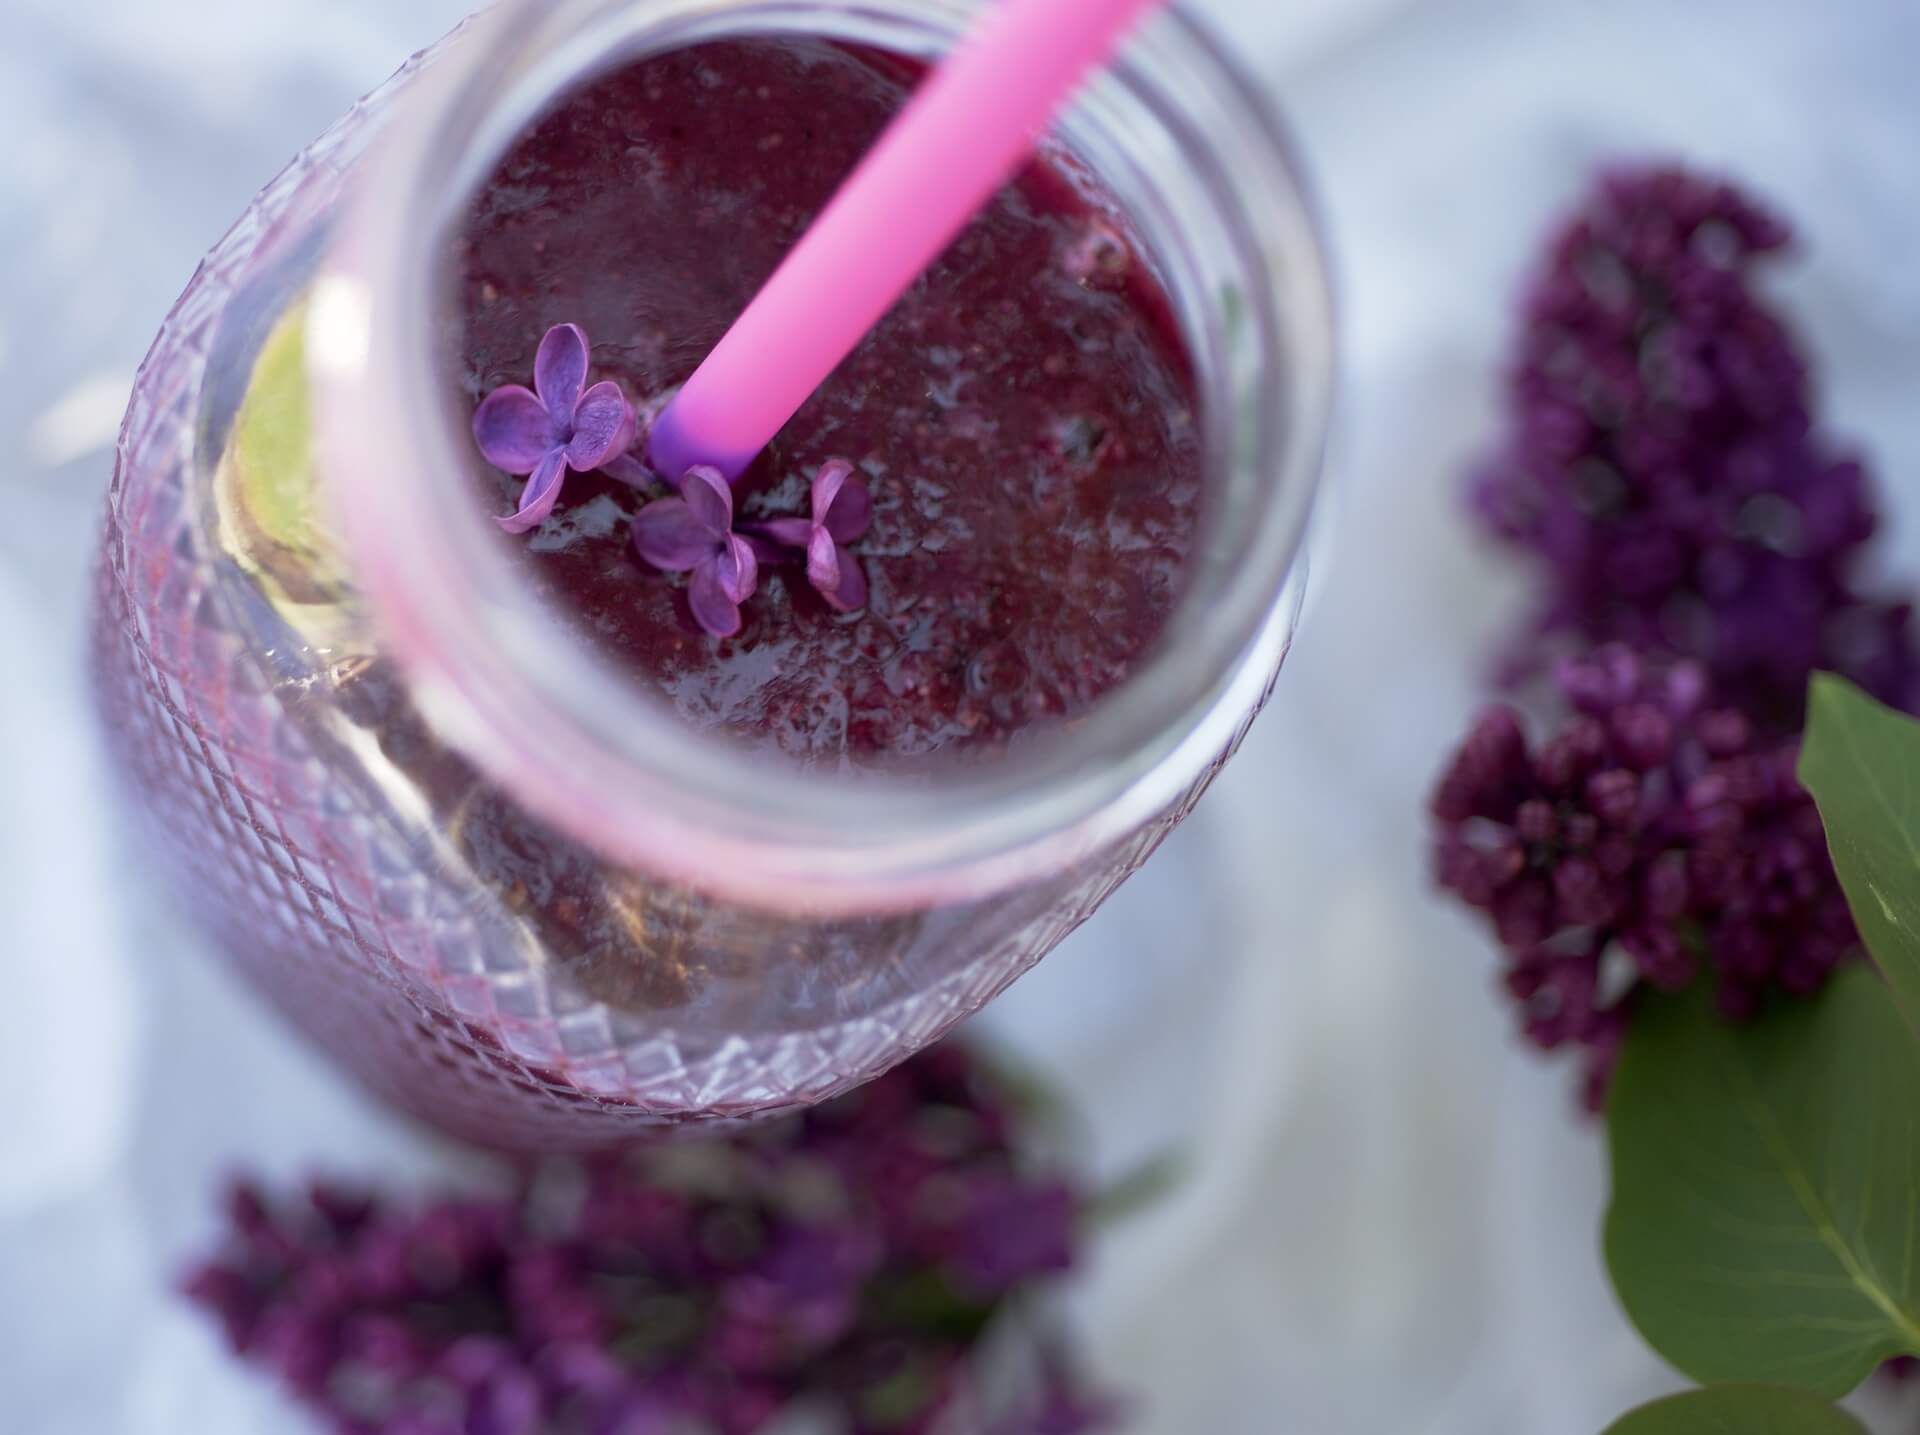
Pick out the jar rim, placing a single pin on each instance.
(580, 746)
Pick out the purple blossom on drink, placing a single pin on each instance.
(1653, 837)
(557, 426)
(842, 511)
(561, 426)
(843, 1259)
(693, 533)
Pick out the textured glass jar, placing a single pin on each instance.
(302, 611)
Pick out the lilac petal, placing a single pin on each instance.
(713, 610)
(737, 568)
(852, 591)
(788, 532)
(560, 371)
(602, 427)
(823, 561)
(850, 514)
(540, 494)
(669, 537)
(514, 429)
(765, 550)
(710, 497)
(625, 468)
(826, 487)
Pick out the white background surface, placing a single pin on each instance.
(1390, 1217)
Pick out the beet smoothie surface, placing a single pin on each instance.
(1023, 418)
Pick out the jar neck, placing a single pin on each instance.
(1198, 166)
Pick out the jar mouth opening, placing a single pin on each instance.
(1200, 169)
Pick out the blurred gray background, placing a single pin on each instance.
(1389, 1222)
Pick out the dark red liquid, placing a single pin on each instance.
(1024, 416)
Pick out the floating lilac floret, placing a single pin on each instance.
(558, 425)
(694, 534)
(842, 513)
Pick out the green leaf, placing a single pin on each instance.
(1861, 762)
(1738, 1410)
(1144, 1186)
(1766, 1186)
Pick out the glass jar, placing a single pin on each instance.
(314, 658)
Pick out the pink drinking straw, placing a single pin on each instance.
(962, 135)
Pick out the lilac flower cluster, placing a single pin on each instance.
(1662, 464)
(561, 426)
(1654, 835)
(1663, 469)
(851, 1257)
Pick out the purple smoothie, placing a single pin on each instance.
(1023, 417)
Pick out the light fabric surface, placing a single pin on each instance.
(1389, 1216)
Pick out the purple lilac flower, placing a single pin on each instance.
(842, 512)
(1656, 835)
(1002, 1233)
(1662, 463)
(558, 425)
(694, 533)
(839, 1257)
(561, 425)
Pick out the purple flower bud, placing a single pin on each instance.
(1659, 827)
(1614, 797)
(1581, 898)
(1570, 756)
(1534, 821)
(1644, 735)
(1660, 955)
(1723, 732)
(1489, 768)
(1664, 890)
